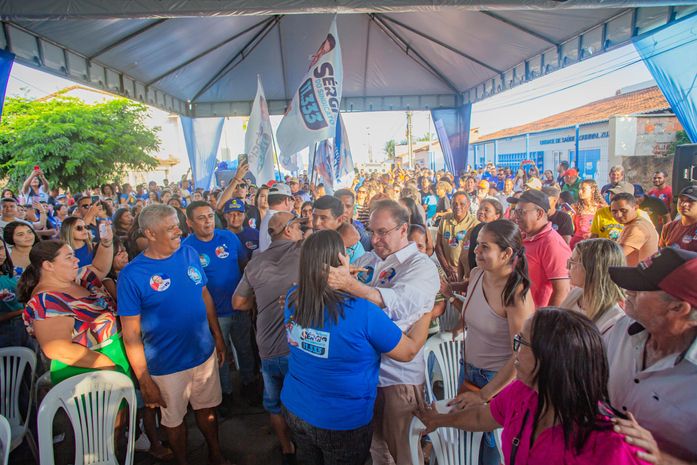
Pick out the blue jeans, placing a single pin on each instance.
(14, 334)
(274, 371)
(238, 326)
(488, 454)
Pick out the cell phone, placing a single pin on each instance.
(95, 198)
(36, 168)
(102, 228)
(35, 198)
(242, 159)
(567, 208)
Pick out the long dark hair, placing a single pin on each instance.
(41, 252)
(507, 235)
(571, 372)
(9, 232)
(313, 296)
(414, 215)
(7, 268)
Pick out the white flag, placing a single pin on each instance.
(258, 140)
(289, 161)
(314, 110)
(343, 161)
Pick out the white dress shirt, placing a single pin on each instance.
(662, 397)
(408, 283)
(264, 237)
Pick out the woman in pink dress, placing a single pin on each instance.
(589, 201)
(557, 411)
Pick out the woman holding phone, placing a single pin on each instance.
(36, 187)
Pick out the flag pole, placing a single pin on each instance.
(314, 158)
(275, 151)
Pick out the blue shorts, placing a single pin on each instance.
(273, 370)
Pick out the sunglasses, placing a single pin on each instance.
(519, 341)
(79, 228)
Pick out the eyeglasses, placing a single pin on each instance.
(571, 262)
(519, 341)
(522, 211)
(79, 228)
(383, 233)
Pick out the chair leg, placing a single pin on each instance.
(31, 442)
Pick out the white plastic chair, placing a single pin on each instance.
(447, 351)
(451, 446)
(91, 401)
(5, 439)
(14, 362)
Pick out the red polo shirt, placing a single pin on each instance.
(547, 253)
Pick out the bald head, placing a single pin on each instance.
(285, 226)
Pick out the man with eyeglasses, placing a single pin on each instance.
(546, 251)
(266, 280)
(403, 282)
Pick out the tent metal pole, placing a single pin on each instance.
(126, 38)
(206, 52)
(441, 43)
(519, 27)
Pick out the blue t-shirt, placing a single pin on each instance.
(167, 294)
(333, 371)
(249, 237)
(220, 258)
(84, 256)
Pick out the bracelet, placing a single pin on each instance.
(106, 243)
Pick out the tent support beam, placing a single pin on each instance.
(243, 53)
(126, 38)
(206, 52)
(442, 44)
(526, 30)
(402, 44)
(283, 64)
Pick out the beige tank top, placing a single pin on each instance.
(488, 342)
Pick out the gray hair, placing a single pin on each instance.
(399, 214)
(154, 214)
(619, 168)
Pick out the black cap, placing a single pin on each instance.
(533, 196)
(690, 192)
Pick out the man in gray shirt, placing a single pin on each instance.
(266, 279)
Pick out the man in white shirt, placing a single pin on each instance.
(403, 282)
(652, 353)
(280, 200)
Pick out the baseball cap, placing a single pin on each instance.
(280, 189)
(638, 191)
(571, 172)
(483, 184)
(551, 191)
(623, 187)
(533, 196)
(534, 183)
(234, 205)
(281, 220)
(690, 192)
(665, 271)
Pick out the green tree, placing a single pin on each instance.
(389, 149)
(77, 145)
(425, 138)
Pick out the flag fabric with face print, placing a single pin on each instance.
(314, 110)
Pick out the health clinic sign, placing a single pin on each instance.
(314, 110)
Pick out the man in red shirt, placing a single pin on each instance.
(546, 251)
(683, 231)
(661, 190)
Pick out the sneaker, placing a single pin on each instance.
(142, 443)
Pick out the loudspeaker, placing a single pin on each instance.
(684, 167)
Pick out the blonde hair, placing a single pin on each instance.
(600, 293)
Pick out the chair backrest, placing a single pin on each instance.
(5, 439)
(14, 361)
(447, 352)
(91, 401)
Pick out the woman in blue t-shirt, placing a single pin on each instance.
(74, 232)
(335, 345)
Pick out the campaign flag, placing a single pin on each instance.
(6, 61)
(258, 140)
(289, 162)
(314, 110)
(343, 161)
(324, 162)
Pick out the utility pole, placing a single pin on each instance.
(409, 140)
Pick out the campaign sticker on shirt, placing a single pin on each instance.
(194, 275)
(686, 239)
(446, 235)
(160, 282)
(366, 276)
(555, 227)
(251, 245)
(311, 341)
(460, 236)
(466, 245)
(386, 276)
(253, 223)
(204, 259)
(221, 251)
(7, 295)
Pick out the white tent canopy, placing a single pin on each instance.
(201, 58)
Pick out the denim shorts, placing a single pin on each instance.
(273, 370)
(488, 454)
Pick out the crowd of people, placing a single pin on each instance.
(577, 301)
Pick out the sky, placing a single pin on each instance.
(593, 79)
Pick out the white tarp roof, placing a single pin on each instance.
(202, 57)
